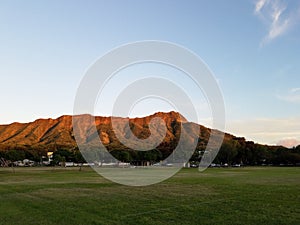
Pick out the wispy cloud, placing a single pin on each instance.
(278, 18)
(289, 142)
(293, 90)
(292, 96)
(259, 5)
(266, 130)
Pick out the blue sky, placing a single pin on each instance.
(252, 47)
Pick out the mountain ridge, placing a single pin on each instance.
(35, 139)
(59, 130)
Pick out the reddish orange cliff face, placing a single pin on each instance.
(46, 133)
(60, 131)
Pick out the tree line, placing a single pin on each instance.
(239, 151)
(235, 151)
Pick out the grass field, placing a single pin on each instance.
(251, 195)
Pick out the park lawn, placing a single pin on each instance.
(250, 195)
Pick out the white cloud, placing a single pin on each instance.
(292, 96)
(289, 142)
(277, 17)
(259, 5)
(293, 90)
(266, 130)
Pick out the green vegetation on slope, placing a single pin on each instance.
(33, 141)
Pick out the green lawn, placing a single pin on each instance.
(251, 195)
